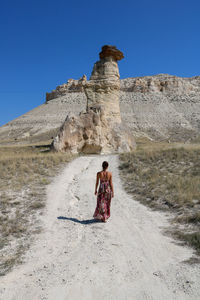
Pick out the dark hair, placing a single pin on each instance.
(105, 165)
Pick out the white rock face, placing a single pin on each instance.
(72, 86)
(104, 85)
(43, 122)
(91, 132)
(99, 130)
(163, 107)
(105, 68)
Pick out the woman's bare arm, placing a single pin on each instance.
(97, 183)
(111, 185)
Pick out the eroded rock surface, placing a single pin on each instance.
(91, 132)
(72, 86)
(162, 107)
(99, 129)
(104, 85)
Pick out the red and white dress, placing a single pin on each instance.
(102, 211)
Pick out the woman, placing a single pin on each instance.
(105, 193)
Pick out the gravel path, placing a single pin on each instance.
(76, 258)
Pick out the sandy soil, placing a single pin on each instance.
(75, 258)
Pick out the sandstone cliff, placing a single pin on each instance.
(161, 107)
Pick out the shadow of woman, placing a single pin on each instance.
(84, 222)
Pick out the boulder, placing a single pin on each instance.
(92, 132)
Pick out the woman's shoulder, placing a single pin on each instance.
(108, 172)
(100, 172)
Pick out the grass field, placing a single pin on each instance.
(167, 176)
(24, 173)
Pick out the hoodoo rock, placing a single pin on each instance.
(100, 128)
(111, 51)
(104, 85)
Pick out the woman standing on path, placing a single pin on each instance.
(105, 193)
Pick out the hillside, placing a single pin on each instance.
(162, 107)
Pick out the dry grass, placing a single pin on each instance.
(40, 138)
(24, 173)
(167, 176)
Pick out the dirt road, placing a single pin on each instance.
(75, 258)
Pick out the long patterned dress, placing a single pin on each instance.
(102, 211)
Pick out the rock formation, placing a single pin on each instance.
(72, 86)
(91, 133)
(99, 129)
(104, 85)
(160, 107)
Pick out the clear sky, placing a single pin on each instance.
(46, 42)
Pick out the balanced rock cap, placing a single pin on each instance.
(109, 50)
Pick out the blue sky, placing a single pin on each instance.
(44, 43)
